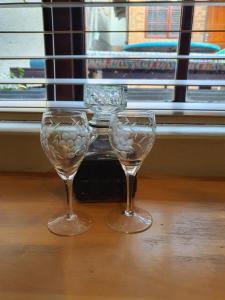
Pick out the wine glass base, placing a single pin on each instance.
(137, 221)
(70, 225)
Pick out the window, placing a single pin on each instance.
(162, 21)
(164, 52)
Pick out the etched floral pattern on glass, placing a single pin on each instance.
(65, 145)
(65, 138)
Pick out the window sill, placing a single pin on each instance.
(181, 150)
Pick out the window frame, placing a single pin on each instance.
(63, 19)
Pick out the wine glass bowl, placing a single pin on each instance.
(132, 135)
(64, 141)
(65, 138)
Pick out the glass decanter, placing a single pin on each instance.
(100, 176)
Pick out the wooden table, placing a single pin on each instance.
(181, 257)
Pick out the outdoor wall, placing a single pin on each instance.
(136, 21)
(199, 23)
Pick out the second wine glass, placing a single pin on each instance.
(132, 135)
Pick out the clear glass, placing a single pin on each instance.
(132, 135)
(65, 138)
(103, 100)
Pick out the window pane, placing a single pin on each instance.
(127, 41)
(15, 42)
(210, 20)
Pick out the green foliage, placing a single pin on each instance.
(21, 72)
(12, 87)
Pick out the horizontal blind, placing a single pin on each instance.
(104, 3)
(150, 46)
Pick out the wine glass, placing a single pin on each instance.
(132, 135)
(65, 138)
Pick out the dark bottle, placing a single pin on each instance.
(100, 177)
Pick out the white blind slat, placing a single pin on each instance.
(79, 81)
(121, 55)
(109, 4)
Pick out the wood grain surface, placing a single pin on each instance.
(182, 256)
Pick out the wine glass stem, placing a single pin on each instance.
(69, 197)
(129, 204)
